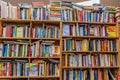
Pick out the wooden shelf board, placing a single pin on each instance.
(90, 37)
(16, 20)
(83, 67)
(103, 51)
(68, 67)
(13, 38)
(90, 51)
(76, 51)
(105, 67)
(44, 57)
(13, 57)
(11, 77)
(69, 22)
(45, 38)
(103, 23)
(30, 57)
(36, 22)
(15, 77)
(44, 77)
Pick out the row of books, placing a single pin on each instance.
(45, 49)
(102, 45)
(23, 68)
(89, 45)
(104, 60)
(22, 49)
(95, 74)
(18, 31)
(103, 74)
(78, 60)
(58, 10)
(88, 30)
(14, 49)
(76, 74)
(45, 31)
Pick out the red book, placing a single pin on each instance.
(30, 52)
(55, 15)
(37, 4)
(8, 31)
(9, 68)
(81, 16)
(4, 69)
(18, 13)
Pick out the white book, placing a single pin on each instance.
(17, 49)
(1, 49)
(4, 31)
(14, 12)
(3, 9)
(37, 14)
(71, 74)
(10, 11)
(80, 59)
(6, 12)
(40, 70)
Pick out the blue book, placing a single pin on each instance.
(63, 15)
(5, 50)
(80, 74)
(66, 30)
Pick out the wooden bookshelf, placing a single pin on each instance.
(43, 42)
(59, 41)
(72, 52)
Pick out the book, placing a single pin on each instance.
(33, 71)
(111, 31)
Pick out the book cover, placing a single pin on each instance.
(19, 32)
(33, 71)
(111, 31)
(66, 30)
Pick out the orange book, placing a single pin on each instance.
(99, 74)
(29, 13)
(111, 60)
(0, 31)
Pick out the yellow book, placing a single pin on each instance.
(111, 31)
(66, 60)
(19, 32)
(85, 45)
(0, 69)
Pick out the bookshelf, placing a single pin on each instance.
(62, 52)
(58, 47)
(70, 65)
